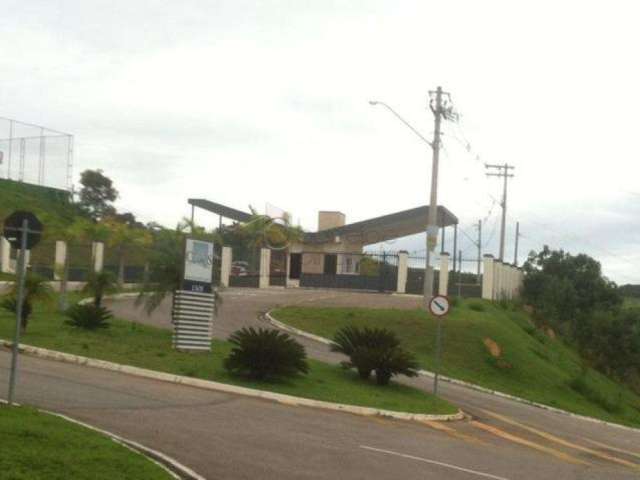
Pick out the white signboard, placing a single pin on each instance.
(198, 261)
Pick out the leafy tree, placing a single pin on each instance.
(96, 194)
(265, 354)
(565, 288)
(36, 288)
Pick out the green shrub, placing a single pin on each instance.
(477, 306)
(264, 354)
(374, 349)
(10, 303)
(88, 317)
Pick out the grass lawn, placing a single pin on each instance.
(36, 445)
(150, 347)
(532, 365)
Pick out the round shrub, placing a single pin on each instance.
(265, 354)
(88, 317)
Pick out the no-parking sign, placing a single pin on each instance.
(439, 305)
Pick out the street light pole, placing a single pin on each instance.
(432, 220)
(439, 110)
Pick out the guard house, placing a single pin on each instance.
(337, 247)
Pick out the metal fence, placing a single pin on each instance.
(358, 271)
(245, 268)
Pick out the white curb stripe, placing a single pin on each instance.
(227, 388)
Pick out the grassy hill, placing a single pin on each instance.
(532, 364)
(51, 205)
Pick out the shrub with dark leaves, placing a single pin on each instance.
(265, 354)
(88, 317)
(374, 350)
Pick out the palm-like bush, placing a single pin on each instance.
(374, 349)
(36, 288)
(262, 354)
(100, 284)
(89, 317)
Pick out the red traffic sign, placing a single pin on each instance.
(439, 305)
(13, 229)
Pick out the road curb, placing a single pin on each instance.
(227, 388)
(170, 465)
(454, 381)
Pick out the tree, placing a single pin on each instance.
(565, 288)
(96, 194)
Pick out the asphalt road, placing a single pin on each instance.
(226, 436)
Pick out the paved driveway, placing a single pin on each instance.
(513, 422)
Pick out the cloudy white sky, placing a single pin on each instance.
(267, 101)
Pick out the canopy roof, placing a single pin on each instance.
(365, 232)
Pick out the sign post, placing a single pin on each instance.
(194, 303)
(439, 306)
(23, 231)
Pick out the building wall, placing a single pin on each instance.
(328, 220)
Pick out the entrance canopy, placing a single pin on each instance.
(218, 209)
(366, 232)
(381, 229)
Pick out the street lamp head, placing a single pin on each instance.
(373, 102)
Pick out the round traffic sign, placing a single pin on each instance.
(13, 229)
(439, 305)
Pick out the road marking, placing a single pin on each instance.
(453, 432)
(614, 449)
(434, 462)
(566, 443)
(515, 439)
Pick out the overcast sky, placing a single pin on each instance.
(252, 102)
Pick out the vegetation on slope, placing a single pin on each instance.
(149, 347)
(532, 363)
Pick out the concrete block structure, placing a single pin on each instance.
(59, 259)
(500, 280)
(225, 266)
(5, 256)
(97, 252)
(403, 267)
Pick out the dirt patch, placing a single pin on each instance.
(492, 347)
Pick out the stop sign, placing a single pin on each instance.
(13, 229)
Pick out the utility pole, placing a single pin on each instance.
(442, 107)
(432, 224)
(479, 248)
(503, 171)
(515, 255)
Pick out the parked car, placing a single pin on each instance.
(239, 268)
